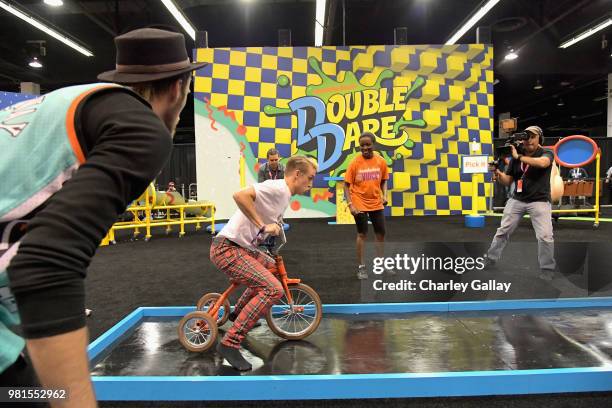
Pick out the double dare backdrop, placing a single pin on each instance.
(425, 103)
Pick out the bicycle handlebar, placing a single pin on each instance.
(268, 241)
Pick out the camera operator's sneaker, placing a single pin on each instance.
(488, 263)
(546, 274)
(362, 273)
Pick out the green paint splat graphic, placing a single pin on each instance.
(329, 87)
(274, 111)
(283, 81)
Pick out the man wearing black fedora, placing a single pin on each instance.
(72, 160)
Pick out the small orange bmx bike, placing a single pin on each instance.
(296, 315)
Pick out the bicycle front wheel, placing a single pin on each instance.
(297, 321)
(197, 331)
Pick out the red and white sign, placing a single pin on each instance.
(474, 164)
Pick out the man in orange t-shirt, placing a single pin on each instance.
(365, 191)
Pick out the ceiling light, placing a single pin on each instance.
(560, 103)
(54, 3)
(37, 49)
(587, 33)
(319, 21)
(511, 55)
(472, 21)
(180, 18)
(44, 28)
(35, 63)
(538, 85)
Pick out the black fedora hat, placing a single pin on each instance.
(149, 54)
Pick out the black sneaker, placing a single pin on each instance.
(488, 263)
(233, 356)
(233, 316)
(547, 274)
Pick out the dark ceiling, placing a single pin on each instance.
(577, 75)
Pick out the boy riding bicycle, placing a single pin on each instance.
(234, 250)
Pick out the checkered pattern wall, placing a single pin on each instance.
(456, 103)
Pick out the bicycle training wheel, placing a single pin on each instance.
(300, 321)
(197, 331)
(207, 301)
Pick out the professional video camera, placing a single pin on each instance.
(515, 140)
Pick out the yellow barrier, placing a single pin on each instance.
(177, 212)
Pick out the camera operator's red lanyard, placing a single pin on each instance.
(519, 183)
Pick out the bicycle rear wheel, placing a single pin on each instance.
(299, 321)
(206, 303)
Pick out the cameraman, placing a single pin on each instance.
(529, 171)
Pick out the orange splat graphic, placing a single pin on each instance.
(325, 196)
(227, 112)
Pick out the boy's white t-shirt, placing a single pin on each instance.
(272, 198)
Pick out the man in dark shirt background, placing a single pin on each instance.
(123, 137)
(529, 171)
(272, 169)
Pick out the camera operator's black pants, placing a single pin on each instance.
(540, 213)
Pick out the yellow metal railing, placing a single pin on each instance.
(151, 201)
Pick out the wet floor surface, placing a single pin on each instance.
(381, 343)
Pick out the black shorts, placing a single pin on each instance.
(378, 221)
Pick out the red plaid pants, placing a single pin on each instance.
(250, 268)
